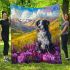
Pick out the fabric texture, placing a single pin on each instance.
(35, 34)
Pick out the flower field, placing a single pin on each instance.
(24, 47)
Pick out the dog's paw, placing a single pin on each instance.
(39, 51)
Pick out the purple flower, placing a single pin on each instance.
(48, 57)
(57, 48)
(56, 53)
(44, 57)
(14, 54)
(14, 58)
(21, 58)
(28, 53)
(52, 58)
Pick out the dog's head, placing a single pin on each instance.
(42, 24)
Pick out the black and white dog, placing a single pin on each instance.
(44, 42)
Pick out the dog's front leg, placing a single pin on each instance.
(42, 46)
(38, 46)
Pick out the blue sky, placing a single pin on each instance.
(32, 12)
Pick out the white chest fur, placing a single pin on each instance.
(43, 39)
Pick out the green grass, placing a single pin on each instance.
(34, 66)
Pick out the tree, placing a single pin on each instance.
(5, 5)
(65, 6)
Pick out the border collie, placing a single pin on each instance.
(44, 43)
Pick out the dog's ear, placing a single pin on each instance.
(46, 22)
(37, 23)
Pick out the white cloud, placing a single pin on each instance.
(49, 14)
(33, 16)
(25, 14)
(37, 14)
(15, 13)
(41, 13)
